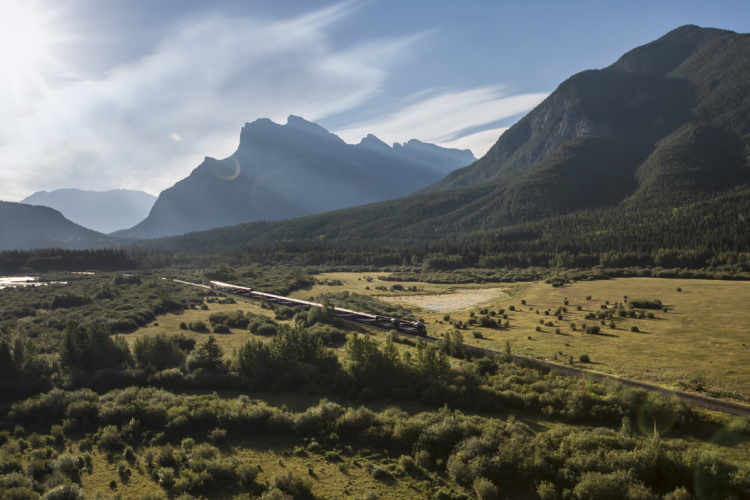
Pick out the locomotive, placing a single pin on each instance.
(401, 325)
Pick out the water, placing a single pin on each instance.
(15, 281)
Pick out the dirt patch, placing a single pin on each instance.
(459, 300)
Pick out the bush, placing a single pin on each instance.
(407, 464)
(198, 326)
(247, 473)
(584, 358)
(292, 485)
(67, 491)
(634, 329)
(486, 489)
(645, 304)
(221, 329)
(266, 329)
(217, 435)
(593, 330)
(546, 491)
(109, 438)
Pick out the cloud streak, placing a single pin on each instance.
(199, 86)
(448, 118)
(148, 124)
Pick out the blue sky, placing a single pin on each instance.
(134, 93)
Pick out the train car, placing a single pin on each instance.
(405, 326)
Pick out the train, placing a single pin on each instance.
(398, 324)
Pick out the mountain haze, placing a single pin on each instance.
(24, 227)
(102, 211)
(292, 170)
(665, 126)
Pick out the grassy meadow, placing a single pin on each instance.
(701, 342)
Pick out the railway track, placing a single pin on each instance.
(698, 400)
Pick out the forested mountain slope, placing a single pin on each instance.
(664, 127)
(26, 226)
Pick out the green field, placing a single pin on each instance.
(701, 343)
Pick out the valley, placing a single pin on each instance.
(536, 323)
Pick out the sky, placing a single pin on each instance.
(134, 94)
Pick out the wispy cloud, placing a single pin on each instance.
(449, 118)
(479, 142)
(199, 85)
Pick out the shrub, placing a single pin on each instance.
(165, 476)
(645, 304)
(247, 473)
(67, 491)
(458, 470)
(292, 485)
(407, 464)
(221, 329)
(593, 330)
(217, 435)
(485, 489)
(584, 358)
(634, 329)
(546, 491)
(109, 438)
(380, 473)
(198, 326)
(266, 329)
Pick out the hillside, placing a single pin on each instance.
(25, 227)
(102, 211)
(292, 170)
(663, 127)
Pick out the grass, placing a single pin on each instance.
(701, 343)
(170, 324)
(348, 475)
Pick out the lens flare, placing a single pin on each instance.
(594, 388)
(227, 170)
(657, 414)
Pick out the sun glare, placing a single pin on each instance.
(25, 41)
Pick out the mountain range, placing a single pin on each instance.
(287, 171)
(648, 154)
(102, 211)
(661, 135)
(24, 227)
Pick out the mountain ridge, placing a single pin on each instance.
(101, 211)
(664, 126)
(25, 227)
(291, 170)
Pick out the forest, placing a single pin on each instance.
(307, 407)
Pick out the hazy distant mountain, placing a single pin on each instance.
(286, 171)
(24, 227)
(103, 211)
(651, 152)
